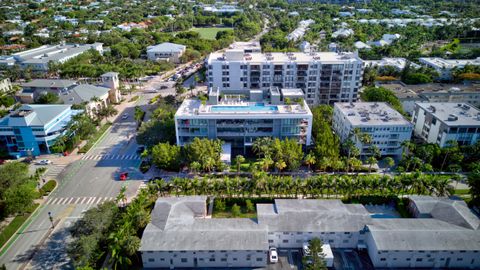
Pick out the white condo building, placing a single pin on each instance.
(386, 127)
(324, 77)
(443, 122)
(182, 233)
(240, 118)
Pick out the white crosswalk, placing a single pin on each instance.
(53, 171)
(116, 157)
(79, 200)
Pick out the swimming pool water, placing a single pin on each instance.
(257, 107)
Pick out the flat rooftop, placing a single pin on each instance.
(47, 53)
(193, 107)
(371, 114)
(298, 57)
(450, 63)
(246, 45)
(453, 113)
(432, 88)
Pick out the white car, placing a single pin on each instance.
(44, 162)
(124, 116)
(273, 255)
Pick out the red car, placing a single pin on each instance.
(123, 176)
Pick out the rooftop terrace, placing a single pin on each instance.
(193, 107)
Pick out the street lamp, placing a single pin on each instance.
(51, 219)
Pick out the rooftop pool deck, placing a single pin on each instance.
(256, 107)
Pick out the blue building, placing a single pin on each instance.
(33, 129)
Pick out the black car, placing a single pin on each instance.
(140, 149)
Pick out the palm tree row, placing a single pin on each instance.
(321, 186)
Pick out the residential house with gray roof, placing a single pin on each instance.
(166, 51)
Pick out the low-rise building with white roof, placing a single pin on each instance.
(387, 128)
(39, 58)
(444, 67)
(398, 63)
(440, 123)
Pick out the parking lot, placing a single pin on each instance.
(349, 259)
(288, 259)
(344, 259)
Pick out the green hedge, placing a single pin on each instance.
(134, 99)
(47, 188)
(94, 138)
(16, 223)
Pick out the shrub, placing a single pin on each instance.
(220, 205)
(47, 188)
(249, 206)
(236, 212)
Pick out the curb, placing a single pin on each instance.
(27, 222)
(14, 236)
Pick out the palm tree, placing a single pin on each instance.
(324, 163)
(452, 146)
(370, 161)
(261, 146)
(239, 159)
(121, 197)
(390, 163)
(280, 165)
(309, 160)
(195, 166)
(266, 162)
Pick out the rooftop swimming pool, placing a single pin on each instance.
(257, 107)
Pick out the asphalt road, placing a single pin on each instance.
(83, 184)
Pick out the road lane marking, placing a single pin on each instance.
(83, 200)
(90, 200)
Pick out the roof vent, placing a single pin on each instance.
(452, 117)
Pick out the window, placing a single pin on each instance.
(223, 259)
(151, 259)
(184, 260)
(270, 241)
(419, 259)
(259, 259)
(212, 259)
(383, 259)
(285, 241)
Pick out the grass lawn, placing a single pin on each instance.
(14, 225)
(462, 191)
(241, 202)
(209, 32)
(95, 138)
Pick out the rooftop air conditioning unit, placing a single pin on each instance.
(452, 117)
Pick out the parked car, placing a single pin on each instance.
(27, 160)
(163, 87)
(43, 162)
(123, 176)
(273, 255)
(140, 149)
